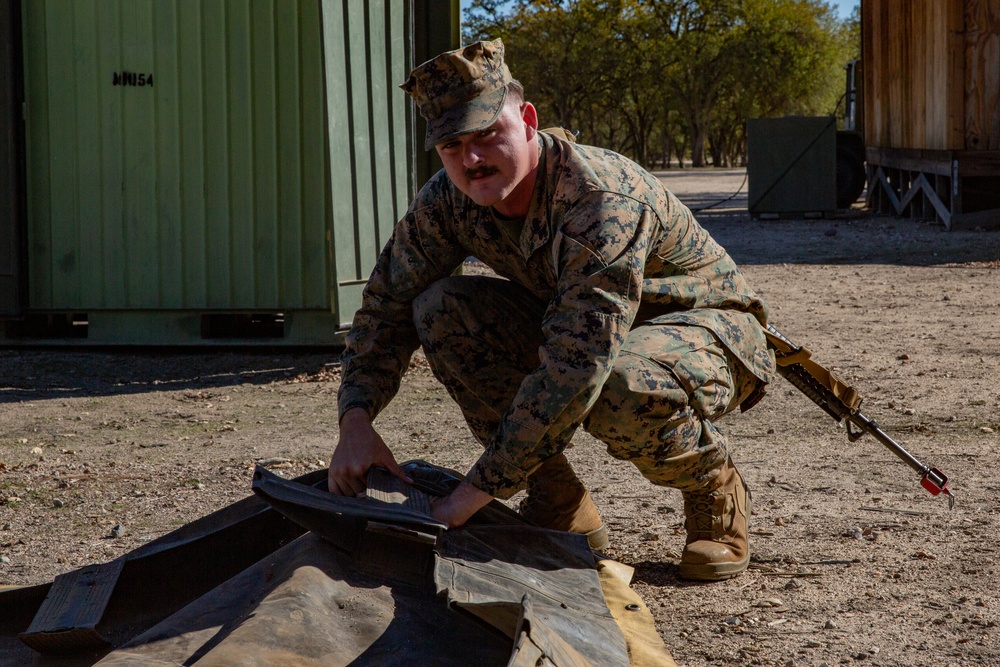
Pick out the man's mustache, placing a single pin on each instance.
(480, 172)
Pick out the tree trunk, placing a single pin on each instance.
(699, 136)
(715, 150)
(680, 149)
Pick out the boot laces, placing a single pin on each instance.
(701, 514)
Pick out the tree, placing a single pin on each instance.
(650, 77)
(793, 51)
(698, 34)
(557, 50)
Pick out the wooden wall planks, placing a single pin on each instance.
(931, 74)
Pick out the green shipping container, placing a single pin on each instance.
(792, 166)
(212, 170)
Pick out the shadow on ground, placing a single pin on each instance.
(852, 237)
(45, 374)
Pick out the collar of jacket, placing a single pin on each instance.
(535, 231)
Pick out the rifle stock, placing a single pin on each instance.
(842, 402)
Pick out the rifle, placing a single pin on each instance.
(842, 402)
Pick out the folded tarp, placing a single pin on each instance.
(495, 592)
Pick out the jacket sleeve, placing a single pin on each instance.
(598, 252)
(382, 338)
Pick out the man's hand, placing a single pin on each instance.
(360, 447)
(456, 508)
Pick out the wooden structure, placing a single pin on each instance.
(931, 71)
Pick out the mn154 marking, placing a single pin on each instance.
(125, 78)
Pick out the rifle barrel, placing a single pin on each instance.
(932, 479)
(871, 427)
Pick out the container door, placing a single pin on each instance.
(367, 51)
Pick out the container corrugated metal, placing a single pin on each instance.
(370, 129)
(176, 153)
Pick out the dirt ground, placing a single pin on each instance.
(853, 561)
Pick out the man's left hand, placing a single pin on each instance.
(456, 508)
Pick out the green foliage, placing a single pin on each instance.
(656, 79)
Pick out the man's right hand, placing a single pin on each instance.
(359, 448)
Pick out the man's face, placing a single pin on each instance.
(490, 166)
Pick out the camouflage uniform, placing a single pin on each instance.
(619, 313)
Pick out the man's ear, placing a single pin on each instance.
(530, 118)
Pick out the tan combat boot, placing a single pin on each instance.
(558, 500)
(716, 524)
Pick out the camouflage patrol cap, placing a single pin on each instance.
(460, 91)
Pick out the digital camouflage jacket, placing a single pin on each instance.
(603, 241)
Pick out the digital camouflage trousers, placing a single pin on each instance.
(657, 408)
